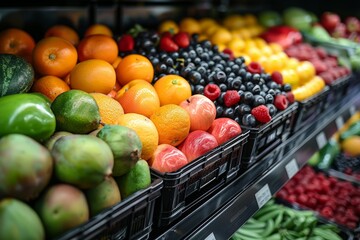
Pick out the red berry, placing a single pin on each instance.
(261, 114)
(254, 67)
(327, 212)
(277, 77)
(212, 91)
(281, 102)
(126, 43)
(182, 39)
(229, 52)
(231, 98)
(167, 44)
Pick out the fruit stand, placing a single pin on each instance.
(161, 121)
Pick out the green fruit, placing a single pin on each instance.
(125, 144)
(76, 111)
(19, 221)
(25, 167)
(82, 160)
(297, 18)
(136, 179)
(269, 18)
(27, 114)
(57, 135)
(61, 208)
(103, 196)
(16, 75)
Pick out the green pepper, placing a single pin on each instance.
(328, 153)
(28, 114)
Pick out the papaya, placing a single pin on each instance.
(51, 141)
(103, 196)
(62, 207)
(125, 145)
(18, 221)
(82, 160)
(25, 167)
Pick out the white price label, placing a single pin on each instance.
(352, 110)
(263, 196)
(339, 122)
(210, 237)
(291, 168)
(321, 140)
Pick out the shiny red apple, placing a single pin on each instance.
(197, 143)
(224, 129)
(202, 111)
(167, 158)
(329, 20)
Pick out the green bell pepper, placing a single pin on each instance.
(28, 114)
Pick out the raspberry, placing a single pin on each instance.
(229, 52)
(212, 91)
(254, 67)
(280, 102)
(261, 114)
(290, 97)
(277, 77)
(231, 98)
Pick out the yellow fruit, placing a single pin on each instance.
(110, 109)
(236, 44)
(221, 36)
(205, 23)
(145, 129)
(189, 25)
(351, 146)
(234, 21)
(168, 26)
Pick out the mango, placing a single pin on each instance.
(61, 208)
(25, 167)
(125, 145)
(18, 221)
(82, 160)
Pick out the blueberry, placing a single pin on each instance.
(272, 109)
(264, 88)
(223, 87)
(235, 83)
(205, 56)
(248, 120)
(249, 86)
(269, 98)
(160, 68)
(210, 77)
(239, 60)
(242, 87)
(202, 82)
(220, 99)
(199, 89)
(211, 63)
(248, 98)
(258, 100)
(174, 55)
(229, 112)
(241, 93)
(192, 54)
(286, 87)
(194, 77)
(271, 92)
(197, 61)
(238, 120)
(227, 70)
(219, 111)
(273, 85)
(220, 77)
(170, 70)
(155, 61)
(256, 78)
(243, 109)
(201, 70)
(216, 58)
(256, 89)
(232, 74)
(184, 55)
(235, 68)
(185, 71)
(242, 73)
(248, 76)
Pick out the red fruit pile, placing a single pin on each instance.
(333, 199)
(326, 65)
(338, 28)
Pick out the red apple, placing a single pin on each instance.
(223, 129)
(197, 143)
(167, 158)
(329, 20)
(352, 24)
(202, 111)
(339, 31)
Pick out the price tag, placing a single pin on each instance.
(352, 110)
(321, 140)
(263, 196)
(210, 237)
(339, 122)
(291, 168)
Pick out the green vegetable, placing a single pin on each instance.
(16, 75)
(328, 154)
(353, 130)
(27, 114)
(297, 18)
(314, 159)
(355, 62)
(269, 18)
(319, 33)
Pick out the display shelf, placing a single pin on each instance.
(223, 212)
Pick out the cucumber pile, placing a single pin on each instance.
(275, 221)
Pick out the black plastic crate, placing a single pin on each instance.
(266, 138)
(185, 186)
(132, 218)
(338, 90)
(310, 109)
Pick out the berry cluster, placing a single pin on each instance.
(242, 92)
(343, 163)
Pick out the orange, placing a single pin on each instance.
(50, 86)
(172, 123)
(98, 29)
(18, 42)
(110, 109)
(138, 96)
(168, 26)
(221, 36)
(64, 32)
(134, 66)
(189, 25)
(93, 75)
(98, 47)
(116, 62)
(145, 129)
(172, 89)
(54, 56)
